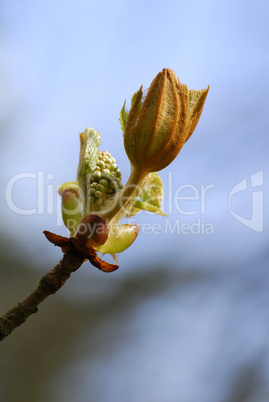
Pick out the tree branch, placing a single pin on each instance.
(48, 285)
(75, 252)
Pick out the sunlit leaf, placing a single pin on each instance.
(69, 185)
(89, 153)
(123, 116)
(119, 239)
(150, 198)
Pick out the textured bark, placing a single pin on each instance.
(75, 252)
(48, 285)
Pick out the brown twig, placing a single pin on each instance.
(48, 285)
(75, 255)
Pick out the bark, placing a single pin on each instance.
(48, 285)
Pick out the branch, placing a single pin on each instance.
(48, 285)
(75, 254)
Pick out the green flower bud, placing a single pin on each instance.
(104, 183)
(89, 152)
(97, 175)
(98, 194)
(101, 188)
(101, 164)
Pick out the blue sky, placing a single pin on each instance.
(70, 65)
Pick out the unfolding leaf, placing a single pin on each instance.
(69, 185)
(71, 206)
(138, 98)
(123, 117)
(196, 101)
(120, 238)
(150, 198)
(140, 205)
(89, 153)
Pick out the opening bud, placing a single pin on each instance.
(159, 124)
(92, 231)
(71, 208)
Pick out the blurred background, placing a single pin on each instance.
(185, 318)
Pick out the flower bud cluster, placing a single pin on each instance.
(104, 182)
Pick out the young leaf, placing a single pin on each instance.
(196, 101)
(140, 205)
(119, 239)
(89, 153)
(69, 185)
(123, 117)
(71, 206)
(151, 196)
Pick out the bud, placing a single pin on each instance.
(71, 206)
(92, 231)
(120, 238)
(158, 126)
(71, 209)
(89, 151)
(104, 182)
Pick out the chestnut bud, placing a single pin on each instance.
(161, 122)
(92, 231)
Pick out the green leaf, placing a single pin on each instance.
(137, 97)
(197, 101)
(71, 206)
(88, 157)
(69, 185)
(140, 205)
(150, 198)
(123, 116)
(119, 239)
(89, 151)
(71, 210)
